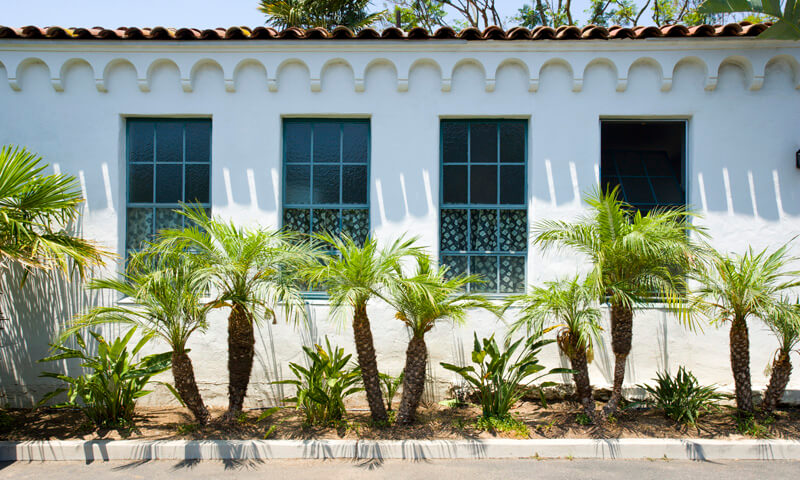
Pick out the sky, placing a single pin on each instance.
(167, 13)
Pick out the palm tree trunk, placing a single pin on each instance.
(740, 364)
(621, 337)
(781, 371)
(369, 364)
(413, 380)
(241, 348)
(185, 384)
(583, 387)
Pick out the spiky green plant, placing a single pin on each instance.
(734, 288)
(427, 297)
(167, 291)
(681, 397)
(252, 271)
(785, 325)
(570, 307)
(37, 211)
(354, 274)
(633, 258)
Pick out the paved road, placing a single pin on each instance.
(397, 469)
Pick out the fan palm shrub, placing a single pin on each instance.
(634, 257)
(167, 290)
(568, 306)
(354, 274)
(251, 272)
(423, 300)
(785, 325)
(353, 14)
(36, 212)
(731, 290)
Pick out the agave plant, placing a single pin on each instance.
(569, 306)
(421, 301)
(634, 257)
(734, 288)
(785, 325)
(251, 272)
(167, 290)
(353, 275)
(107, 393)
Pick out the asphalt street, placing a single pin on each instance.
(655, 469)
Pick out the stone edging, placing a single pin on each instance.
(680, 449)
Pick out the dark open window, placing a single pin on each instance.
(484, 216)
(326, 176)
(647, 160)
(168, 162)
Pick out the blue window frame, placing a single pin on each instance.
(646, 159)
(326, 176)
(482, 195)
(168, 162)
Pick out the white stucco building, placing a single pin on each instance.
(462, 139)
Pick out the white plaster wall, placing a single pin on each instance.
(68, 101)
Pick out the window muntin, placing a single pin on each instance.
(326, 176)
(647, 160)
(483, 191)
(168, 162)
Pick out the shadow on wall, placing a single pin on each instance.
(36, 312)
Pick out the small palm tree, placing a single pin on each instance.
(251, 271)
(570, 304)
(785, 324)
(734, 288)
(421, 301)
(353, 275)
(167, 290)
(36, 211)
(328, 14)
(634, 257)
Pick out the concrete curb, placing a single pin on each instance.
(679, 449)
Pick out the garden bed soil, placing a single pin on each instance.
(438, 422)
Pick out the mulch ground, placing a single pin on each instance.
(558, 420)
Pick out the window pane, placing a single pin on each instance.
(512, 184)
(326, 184)
(140, 183)
(355, 138)
(637, 190)
(326, 142)
(298, 184)
(457, 265)
(454, 184)
(169, 183)
(513, 230)
(197, 183)
(608, 164)
(168, 218)
(657, 163)
(453, 235)
(668, 191)
(512, 142)
(629, 163)
(354, 184)
(454, 142)
(297, 220)
(139, 227)
(169, 141)
(198, 141)
(486, 267)
(298, 142)
(483, 233)
(483, 184)
(140, 141)
(355, 222)
(512, 274)
(483, 142)
(325, 221)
